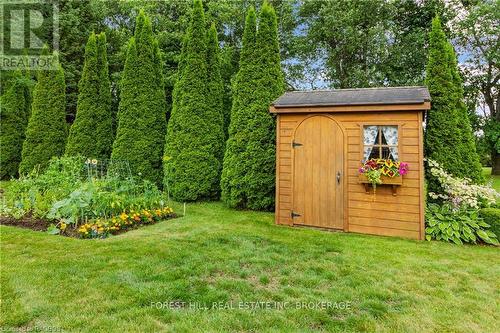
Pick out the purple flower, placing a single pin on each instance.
(361, 170)
(403, 168)
(456, 201)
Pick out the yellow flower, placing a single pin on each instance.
(62, 226)
(123, 216)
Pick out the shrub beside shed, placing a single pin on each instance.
(322, 139)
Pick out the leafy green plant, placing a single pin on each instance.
(37, 191)
(73, 208)
(459, 225)
(53, 230)
(492, 217)
(373, 176)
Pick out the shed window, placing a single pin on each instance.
(380, 142)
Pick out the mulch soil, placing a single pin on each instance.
(27, 222)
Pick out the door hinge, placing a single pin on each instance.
(293, 214)
(296, 144)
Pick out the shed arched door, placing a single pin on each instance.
(318, 177)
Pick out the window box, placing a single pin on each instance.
(394, 182)
(385, 180)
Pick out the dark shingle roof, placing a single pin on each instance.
(362, 96)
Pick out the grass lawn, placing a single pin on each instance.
(214, 254)
(495, 180)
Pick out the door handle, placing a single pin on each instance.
(338, 177)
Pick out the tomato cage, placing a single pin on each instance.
(102, 168)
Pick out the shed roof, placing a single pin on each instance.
(362, 96)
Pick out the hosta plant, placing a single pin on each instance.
(457, 224)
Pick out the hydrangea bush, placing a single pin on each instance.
(460, 191)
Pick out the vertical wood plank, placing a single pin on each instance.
(422, 177)
(278, 170)
(339, 159)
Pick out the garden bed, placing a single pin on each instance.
(70, 199)
(39, 224)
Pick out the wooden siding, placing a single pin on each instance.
(380, 214)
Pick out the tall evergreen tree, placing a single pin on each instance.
(448, 135)
(195, 137)
(142, 111)
(105, 131)
(14, 113)
(467, 148)
(215, 83)
(47, 129)
(92, 132)
(249, 160)
(235, 157)
(229, 59)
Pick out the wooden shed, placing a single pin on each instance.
(323, 137)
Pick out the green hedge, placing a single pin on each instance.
(492, 217)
